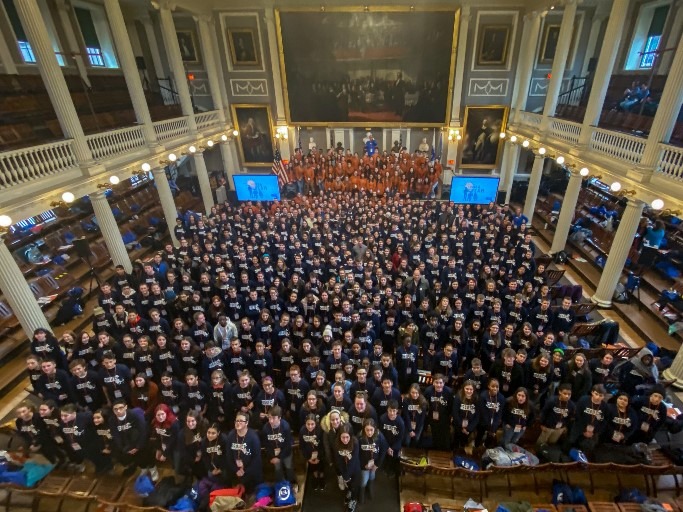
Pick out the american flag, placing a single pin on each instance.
(279, 169)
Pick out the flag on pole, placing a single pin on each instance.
(301, 149)
(279, 169)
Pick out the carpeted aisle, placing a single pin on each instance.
(386, 496)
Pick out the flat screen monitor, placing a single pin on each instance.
(256, 187)
(474, 189)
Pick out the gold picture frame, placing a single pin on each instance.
(255, 127)
(365, 9)
(244, 48)
(551, 34)
(494, 44)
(481, 136)
(189, 50)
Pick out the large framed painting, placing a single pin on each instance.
(370, 67)
(255, 134)
(551, 34)
(243, 48)
(482, 140)
(493, 45)
(188, 46)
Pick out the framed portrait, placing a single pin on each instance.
(355, 68)
(493, 45)
(189, 51)
(551, 34)
(482, 141)
(244, 50)
(255, 134)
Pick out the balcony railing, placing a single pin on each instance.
(567, 131)
(671, 161)
(171, 128)
(116, 142)
(530, 119)
(206, 119)
(621, 146)
(32, 163)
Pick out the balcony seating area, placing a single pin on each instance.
(28, 118)
(632, 122)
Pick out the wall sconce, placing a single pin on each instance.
(5, 223)
(668, 211)
(525, 144)
(453, 135)
(67, 198)
(192, 150)
(171, 159)
(113, 180)
(513, 139)
(281, 133)
(657, 204)
(145, 168)
(584, 172)
(235, 133)
(541, 151)
(502, 135)
(224, 138)
(629, 193)
(209, 143)
(560, 160)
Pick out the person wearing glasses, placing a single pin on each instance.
(244, 453)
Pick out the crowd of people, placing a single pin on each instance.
(387, 174)
(312, 318)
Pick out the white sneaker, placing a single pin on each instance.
(340, 482)
(154, 474)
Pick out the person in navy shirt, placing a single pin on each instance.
(276, 438)
(244, 453)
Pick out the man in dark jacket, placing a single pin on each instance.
(129, 439)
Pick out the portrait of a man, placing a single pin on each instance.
(481, 143)
(243, 48)
(256, 141)
(493, 45)
(188, 46)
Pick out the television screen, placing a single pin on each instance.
(256, 187)
(474, 189)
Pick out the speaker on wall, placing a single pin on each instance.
(82, 248)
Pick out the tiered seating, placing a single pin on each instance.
(28, 118)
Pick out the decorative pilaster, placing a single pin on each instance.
(167, 202)
(175, 61)
(18, 294)
(64, 10)
(534, 185)
(564, 222)
(153, 50)
(212, 66)
(110, 231)
(559, 62)
(621, 245)
(460, 58)
(129, 67)
(275, 67)
(532, 27)
(53, 78)
(603, 71)
(229, 157)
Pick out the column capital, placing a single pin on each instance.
(532, 15)
(203, 18)
(465, 10)
(164, 4)
(98, 194)
(62, 5)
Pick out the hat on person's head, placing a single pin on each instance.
(327, 331)
(659, 389)
(558, 350)
(98, 311)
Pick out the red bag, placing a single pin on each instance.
(229, 491)
(413, 507)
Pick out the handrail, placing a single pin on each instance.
(171, 128)
(114, 142)
(621, 146)
(32, 163)
(571, 96)
(670, 162)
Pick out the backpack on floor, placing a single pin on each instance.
(284, 495)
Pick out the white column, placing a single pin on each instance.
(508, 168)
(18, 294)
(53, 78)
(621, 245)
(564, 221)
(130, 70)
(559, 62)
(675, 371)
(203, 177)
(667, 112)
(527, 53)
(167, 202)
(154, 51)
(212, 67)
(228, 157)
(603, 71)
(6, 58)
(460, 58)
(64, 11)
(110, 231)
(532, 191)
(175, 61)
(275, 68)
